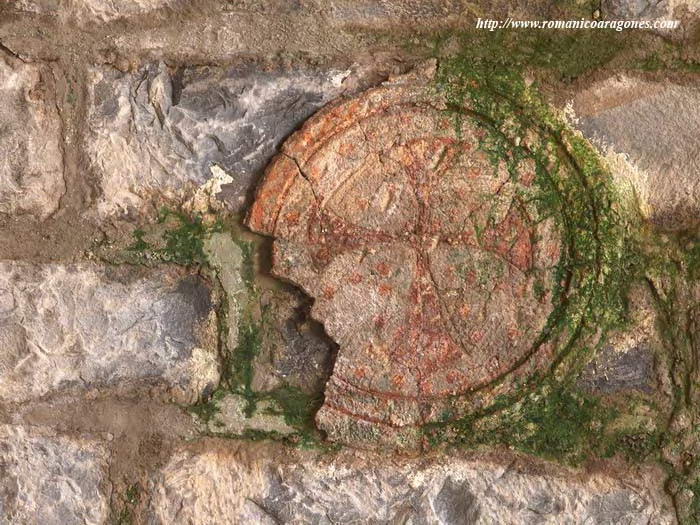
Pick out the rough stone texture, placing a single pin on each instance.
(225, 256)
(650, 124)
(82, 327)
(277, 485)
(372, 12)
(294, 351)
(47, 479)
(627, 361)
(91, 11)
(424, 277)
(612, 371)
(648, 9)
(154, 135)
(31, 163)
(231, 418)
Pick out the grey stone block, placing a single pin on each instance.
(81, 327)
(653, 126)
(615, 371)
(223, 486)
(154, 135)
(47, 479)
(31, 162)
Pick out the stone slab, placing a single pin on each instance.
(654, 128)
(48, 479)
(154, 135)
(81, 327)
(31, 163)
(274, 484)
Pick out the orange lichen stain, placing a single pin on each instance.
(473, 173)
(385, 290)
(347, 148)
(398, 381)
(462, 193)
(494, 363)
(427, 388)
(292, 218)
(452, 377)
(554, 251)
(466, 146)
(356, 278)
(439, 337)
(383, 269)
(513, 333)
(521, 253)
(527, 177)
(476, 336)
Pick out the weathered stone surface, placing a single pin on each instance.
(648, 9)
(613, 371)
(332, 12)
(90, 11)
(374, 12)
(294, 351)
(277, 485)
(230, 417)
(31, 163)
(225, 256)
(82, 327)
(627, 360)
(47, 479)
(650, 124)
(421, 256)
(106, 10)
(154, 135)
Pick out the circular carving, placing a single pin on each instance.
(424, 255)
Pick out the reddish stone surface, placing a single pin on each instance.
(422, 255)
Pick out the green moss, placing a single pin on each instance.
(206, 410)
(132, 494)
(637, 446)
(671, 282)
(181, 241)
(667, 56)
(604, 254)
(565, 56)
(124, 517)
(261, 435)
(249, 343)
(139, 245)
(599, 259)
(557, 424)
(130, 499)
(694, 511)
(184, 244)
(692, 260)
(297, 407)
(563, 425)
(248, 266)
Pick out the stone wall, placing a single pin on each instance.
(133, 136)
